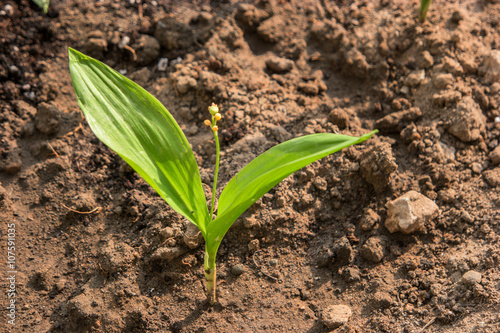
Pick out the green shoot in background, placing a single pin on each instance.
(44, 4)
(424, 8)
(134, 124)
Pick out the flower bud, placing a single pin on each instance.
(215, 128)
(217, 116)
(213, 109)
(207, 122)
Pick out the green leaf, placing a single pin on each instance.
(134, 124)
(44, 4)
(267, 170)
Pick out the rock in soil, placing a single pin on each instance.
(410, 212)
(279, 65)
(336, 315)
(471, 278)
(467, 121)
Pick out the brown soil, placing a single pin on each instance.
(87, 228)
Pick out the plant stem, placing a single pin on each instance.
(424, 8)
(217, 158)
(210, 268)
(210, 276)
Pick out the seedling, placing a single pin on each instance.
(137, 127)
(44, 4)
(424, 8)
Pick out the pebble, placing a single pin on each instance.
(9, 10)
(476, 167)
(237, 269)
(253, 245)
(415, 78)
(166, 253)
(490, 68)
(495, 155)
(162, 64)
(279, 65)
(336, 315)
(492, 177)
(471, 278)
(410, 212)
(468, 121)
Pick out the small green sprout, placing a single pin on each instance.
(424, 8)
(134, 124)
(44, 4)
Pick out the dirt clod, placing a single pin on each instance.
(336, 315)
(373, 249)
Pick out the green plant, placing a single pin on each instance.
(44, 4)
(137, 127)
(424, 8)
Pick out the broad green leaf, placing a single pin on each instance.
(267, 170)
(44, 4)
(134, 124)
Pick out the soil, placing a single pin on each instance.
(88, 230)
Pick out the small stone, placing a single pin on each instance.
(166, 253)
(253, 245)
(495, 155)
(443, 81)
(492, 177)
(467, 121)
(162, 64)
(9, 10)
(476, 167)
(410, 212)
(336, 315)
(279, 65)
(415, 78)
(237, 269)
(471, 278)
(309, 88)
(373, 249)
(490, 68)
